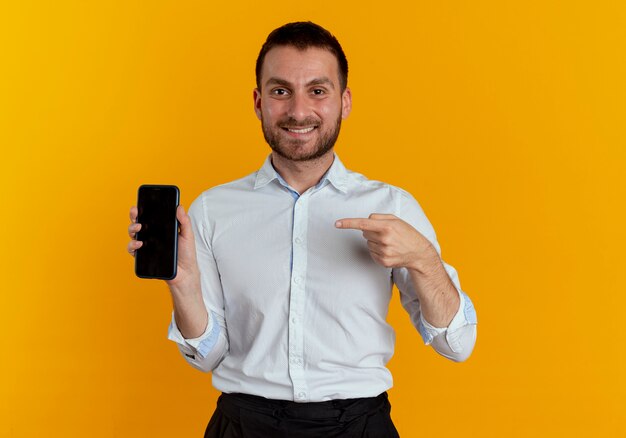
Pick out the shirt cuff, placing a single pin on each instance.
(464, 316)
(201, 345)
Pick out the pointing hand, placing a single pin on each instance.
(392, 242)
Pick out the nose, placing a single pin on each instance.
(299, 108)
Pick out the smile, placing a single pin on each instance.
(300, 130)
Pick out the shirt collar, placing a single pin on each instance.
(336, 175)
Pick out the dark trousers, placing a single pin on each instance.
(248, 416)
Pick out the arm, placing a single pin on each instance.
(429, 288)
(431, 292)
(198, 326)
(439, 299)
(454, 339)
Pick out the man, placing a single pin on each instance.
(285, 276)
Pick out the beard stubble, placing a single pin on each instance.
(288, 148)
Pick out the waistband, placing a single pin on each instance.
(342, 410)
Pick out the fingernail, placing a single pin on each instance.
(338, 224)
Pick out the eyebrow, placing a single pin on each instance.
(317, 81)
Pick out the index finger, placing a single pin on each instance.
(362, 224)
(133, 214)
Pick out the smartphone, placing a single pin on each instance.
(156, 212)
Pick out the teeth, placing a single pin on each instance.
(301, 131)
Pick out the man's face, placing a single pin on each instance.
(300, 103)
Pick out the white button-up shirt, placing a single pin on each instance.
(297, 308)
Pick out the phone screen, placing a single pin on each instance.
(156, 207)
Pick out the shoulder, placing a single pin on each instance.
(359, 182)
(239, 185)
(390, 198)
(221, 195)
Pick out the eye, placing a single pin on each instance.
(319, 91)
(279, 92)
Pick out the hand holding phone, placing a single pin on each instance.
(187, 273)
(185, 286)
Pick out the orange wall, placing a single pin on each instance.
(505, 122)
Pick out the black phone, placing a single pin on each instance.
(156, 212)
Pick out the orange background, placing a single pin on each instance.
(506, 122)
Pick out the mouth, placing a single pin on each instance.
(304, 130)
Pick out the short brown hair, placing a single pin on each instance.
(303, 35)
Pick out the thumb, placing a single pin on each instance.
(185, 223)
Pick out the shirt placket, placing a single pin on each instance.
(297, 299)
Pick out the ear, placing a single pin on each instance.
(256, 95)
(346, 103)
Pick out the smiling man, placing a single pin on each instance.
(285, 276)
(302, 108)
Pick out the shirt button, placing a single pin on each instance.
(301, 395)
(298, 240)
(294, 319)
(296, 280)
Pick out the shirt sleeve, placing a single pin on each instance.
(456, 341)
(207, 350)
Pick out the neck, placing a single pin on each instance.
(302, 175)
